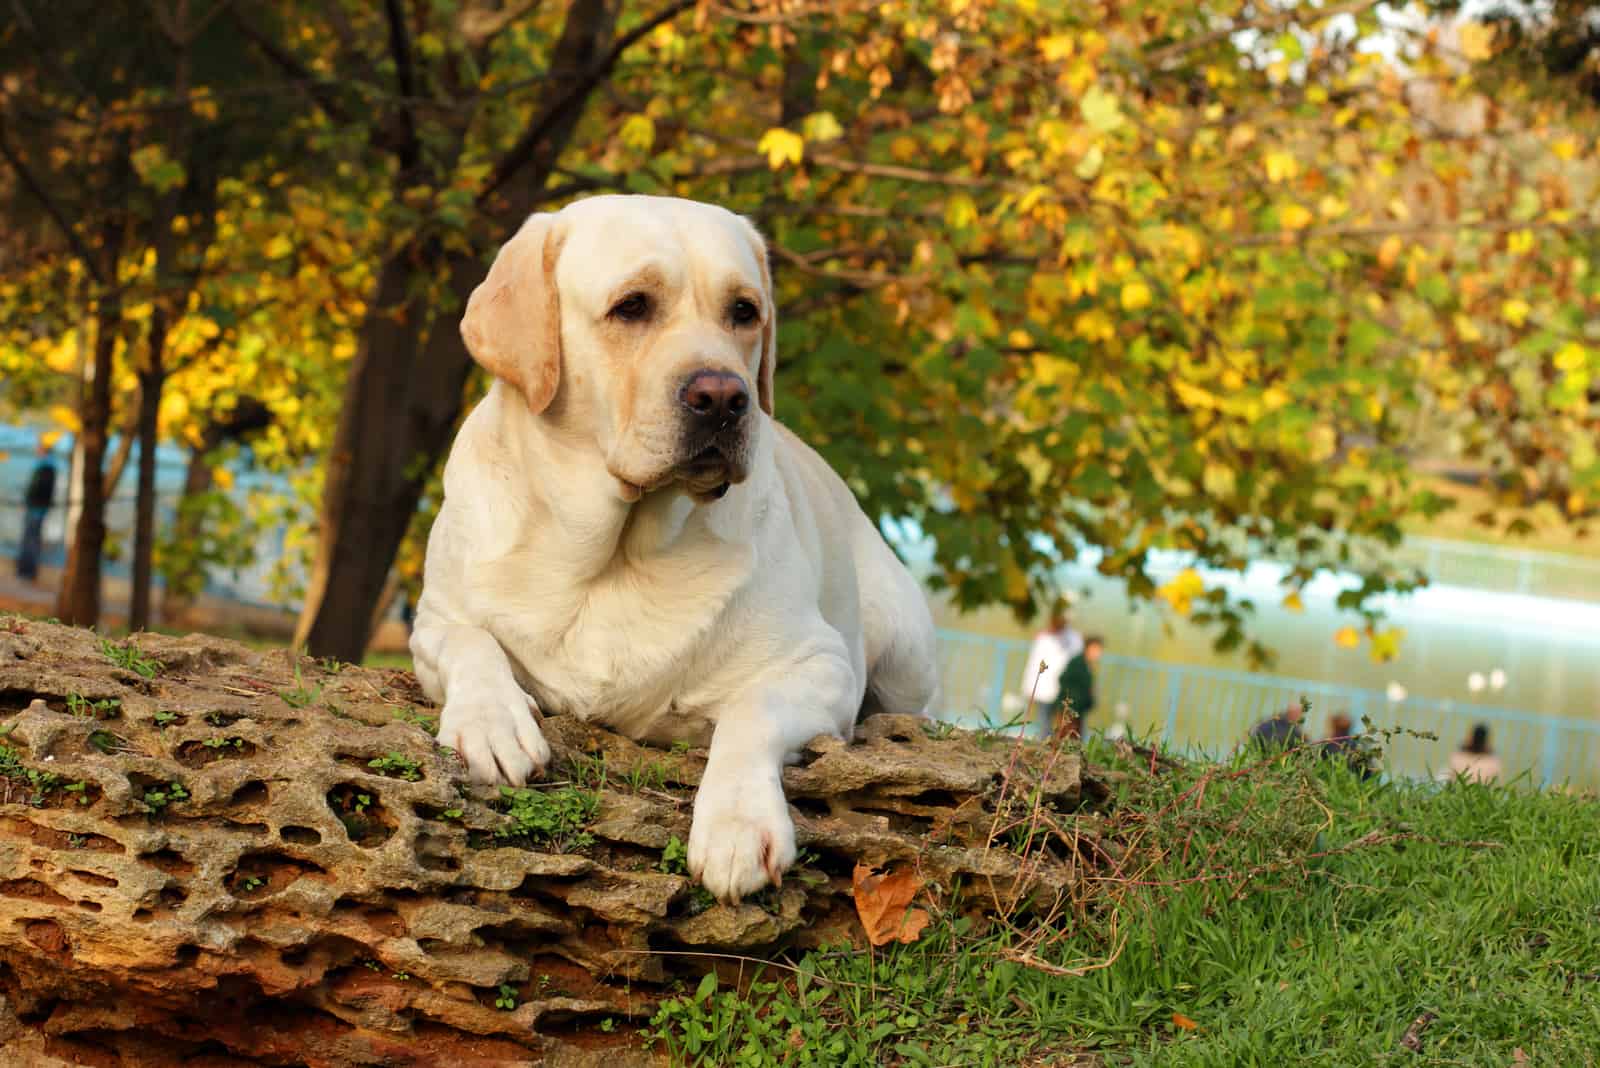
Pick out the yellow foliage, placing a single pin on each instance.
(1281, 166)
(1135, 295)
(1515, 311)
(1347, 638)
(1182, 590)
(781, 147)
(1292, 601)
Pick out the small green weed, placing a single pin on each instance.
(675, 857)
(409, 714)
(156, 801)
(129, 657)
(250, 883)
(164, 719)
(553, 819)
(222, 743)
(302, 695)
(506, 999)
(396, 765)
(105, 708)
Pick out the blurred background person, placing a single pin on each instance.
(1475, 761)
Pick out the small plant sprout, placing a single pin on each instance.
(129, 657)
(396, 766)
(506, 999)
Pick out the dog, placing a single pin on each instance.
(629, 536)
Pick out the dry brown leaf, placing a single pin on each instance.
(883, 903)
(1519, 1057)
(1180, 1020)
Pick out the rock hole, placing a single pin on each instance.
(168, 860)
(32, 890)
(253, 792)
(92, 878)
(172, 896)
(811, 806)
(200, 752)
(266, 872)
(360, 809)
(186, 955)
(90, 906)
(143, 915)
(306, 836)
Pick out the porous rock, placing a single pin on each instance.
(200, 862)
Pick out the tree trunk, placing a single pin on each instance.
(175, 598)
(405, 389)
(151, 379)
(79, 599)
(400, 409)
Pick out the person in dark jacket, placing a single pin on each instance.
(37, 501)
(1280, 732)
(1076, 692)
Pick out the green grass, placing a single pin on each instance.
(1291, 912)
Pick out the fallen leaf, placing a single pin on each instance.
(883, 903)
(1180, 1020)
(1519, 1057)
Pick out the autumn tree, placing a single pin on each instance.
(117, 138)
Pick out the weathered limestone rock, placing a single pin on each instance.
(241, 859)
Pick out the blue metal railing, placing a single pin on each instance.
(1210, 710)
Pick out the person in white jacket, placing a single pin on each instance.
(1053, 648)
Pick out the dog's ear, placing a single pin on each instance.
(768, 370)
(512, 325)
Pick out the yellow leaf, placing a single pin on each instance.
(1194, 396)
(1182, 590)
(49, 438)
(1386, 645)
(1571, 357)
(66, 417)
(781, 146)
(1477, 40)
(1295, 216)
(1100, 110)
(279, 247)
(1566, 148)
(821, 126)
(1090, 164)
(1058, 46)
(1135, 295)
(1347, 638)
(1281, 166)
(222, 477)
(1515, 311)
(638, 132)
(1324, 440)
(1293, 602)
(1218, 479)
(1389, 251)
(960, 212)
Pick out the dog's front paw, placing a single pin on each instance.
(496, 734)
(742, 837)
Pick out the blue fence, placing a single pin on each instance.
(1208, 710)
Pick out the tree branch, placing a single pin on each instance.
(31, 182)
(409, 150)
(520, 153)
(284, 60)
(1276, 21)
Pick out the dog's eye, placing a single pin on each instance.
(744, 312)
(631, 308)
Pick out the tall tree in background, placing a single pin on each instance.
(118, 138)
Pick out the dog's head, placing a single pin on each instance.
(644, 324)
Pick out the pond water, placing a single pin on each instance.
(1547, 648)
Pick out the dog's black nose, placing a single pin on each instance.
(715, 398)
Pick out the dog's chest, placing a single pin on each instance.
(638, 649)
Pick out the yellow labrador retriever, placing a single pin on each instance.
(628, 535)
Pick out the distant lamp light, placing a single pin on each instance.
(1497, 680)
(1476, 682)
(1396, 693)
